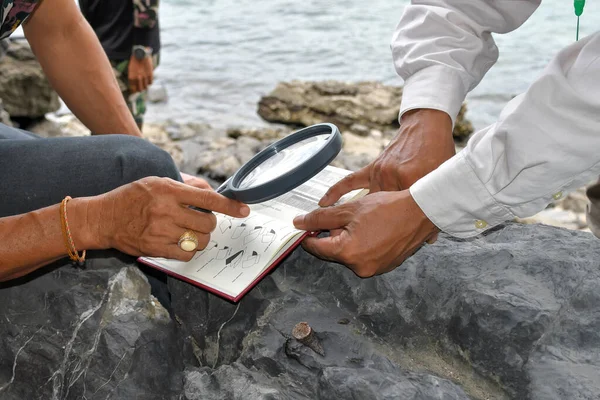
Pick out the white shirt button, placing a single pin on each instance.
(557, 196)
(480, 224)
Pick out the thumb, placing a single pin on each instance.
(324, 219)
(356, 180)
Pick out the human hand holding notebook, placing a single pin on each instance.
(242, 251)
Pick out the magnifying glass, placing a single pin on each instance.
(284, 165)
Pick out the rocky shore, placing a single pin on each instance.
(513, 314)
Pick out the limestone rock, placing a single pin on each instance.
(218, 157)
(48, 128)
(556, 216)
(367, 145)
(355, 107)
(157, 94)
(24, 89)
(514, 314)
(263, 133)
(4, 115)
(94, 333)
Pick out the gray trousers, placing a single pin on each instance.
(37, 172)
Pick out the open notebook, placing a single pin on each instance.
(242, 251)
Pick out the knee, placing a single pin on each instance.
(138, 158)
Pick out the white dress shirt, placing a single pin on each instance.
(546, 141)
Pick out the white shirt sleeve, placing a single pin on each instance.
(443, 48)
(545, 143)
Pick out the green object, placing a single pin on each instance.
(579, 4)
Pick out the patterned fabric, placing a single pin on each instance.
(13, 13)
(145, 13)
(135, 101)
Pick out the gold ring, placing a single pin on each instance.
(188, 241)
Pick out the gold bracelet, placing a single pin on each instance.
(70, 245)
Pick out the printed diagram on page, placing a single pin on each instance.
(240, 244)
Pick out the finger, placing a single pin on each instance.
(325, 218)
(211, 200)
(132, 85)
(335, 232)
(200, 184)
(195, 182)
(324, 248)
(174, 252)
(141, 83)
(356, 180)
(201, 222)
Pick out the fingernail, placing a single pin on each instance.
(324, 200)
(245, 210)
(298, 220)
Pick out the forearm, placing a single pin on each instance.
(78, 68)
(443, 48)
(544, 145)
(30, 241)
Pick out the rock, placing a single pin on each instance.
(4, 115)
(246, 352)
(576, 201)
(48, 128)
(94, 333)
(24, 88)
(186, 131)
(355, 107)
(218, 157)
(157, 94)
(556, 216)
(512, 314)
(351, 161)
(258, 133)
(369, 146)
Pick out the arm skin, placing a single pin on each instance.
(32, 240)
(142, 218)
(77, 67)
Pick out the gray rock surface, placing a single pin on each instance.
(514, 314)
(355, 107)
(24, 89)
(89, 334)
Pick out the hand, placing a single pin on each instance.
(195, 181)
(423, 143)
(372, 235)
(140, 74)
(147, 217)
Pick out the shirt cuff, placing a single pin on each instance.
(436, 87)
(456, 200)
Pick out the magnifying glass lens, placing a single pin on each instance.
(283, 161)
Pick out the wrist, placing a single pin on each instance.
(426, 226)
(427, 115)
(140, 52)
(84, 224)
